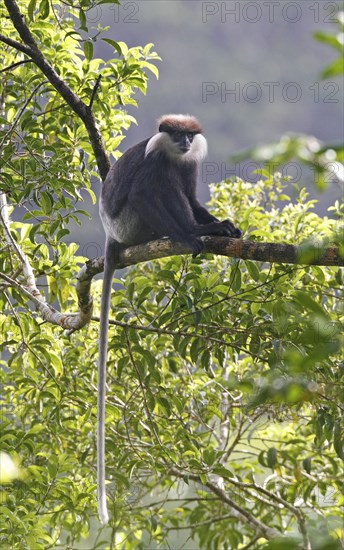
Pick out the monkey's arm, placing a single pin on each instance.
(201, 214)
(210, 225)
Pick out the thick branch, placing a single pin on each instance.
(264, 252)
(225, 246)
(76, 104)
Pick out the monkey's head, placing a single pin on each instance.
(180, 137)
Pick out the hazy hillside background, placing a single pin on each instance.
(240, 46)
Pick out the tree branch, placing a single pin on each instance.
(224, 246)
(15, 65)
(31, 49)
(95, 89)
(70, 322)
(14, 44)
(30, 290)
(20, 112)
(237, 248)
(23, 259)
(281, 253)
(242, 514)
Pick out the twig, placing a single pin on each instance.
(94, 91)
(15, 65)
(243, 515)
(210, 521)
(143, 390)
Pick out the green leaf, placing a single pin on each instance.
(44, 9)
(152, 68)
(83, 20)
(222, 471)
(308, 302)
(330, 39)
(56, 363)
(88, 49)
(205, 359)
(253, 270)
(338, 439)
(209, 456)
(307, 463)
(31, 8)
(236, 281)
(334, 69)
(46, 202)
(115, 45)
(271, 457)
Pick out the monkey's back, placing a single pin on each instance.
(120, 179)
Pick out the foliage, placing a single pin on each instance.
(223, 372)
(46, 157)
(224, 406)
(325, 160)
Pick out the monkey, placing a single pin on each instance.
(150, 193)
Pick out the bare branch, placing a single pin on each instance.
(225, 246)
(14, 44)
(49, 314)
(242, 514)
(15, 65)
(95, 89)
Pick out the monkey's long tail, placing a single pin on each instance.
(103, 346)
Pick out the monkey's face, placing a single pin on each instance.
(182, 141)
(180, 144)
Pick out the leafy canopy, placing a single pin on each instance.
(224, 408)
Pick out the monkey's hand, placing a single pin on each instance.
(229, 229)
(196, 244)
(222, 229)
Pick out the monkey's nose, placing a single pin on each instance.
(184, 144)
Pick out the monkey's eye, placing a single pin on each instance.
(190, 137)
(176, 136)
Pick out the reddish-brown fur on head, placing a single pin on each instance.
(179, 123)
